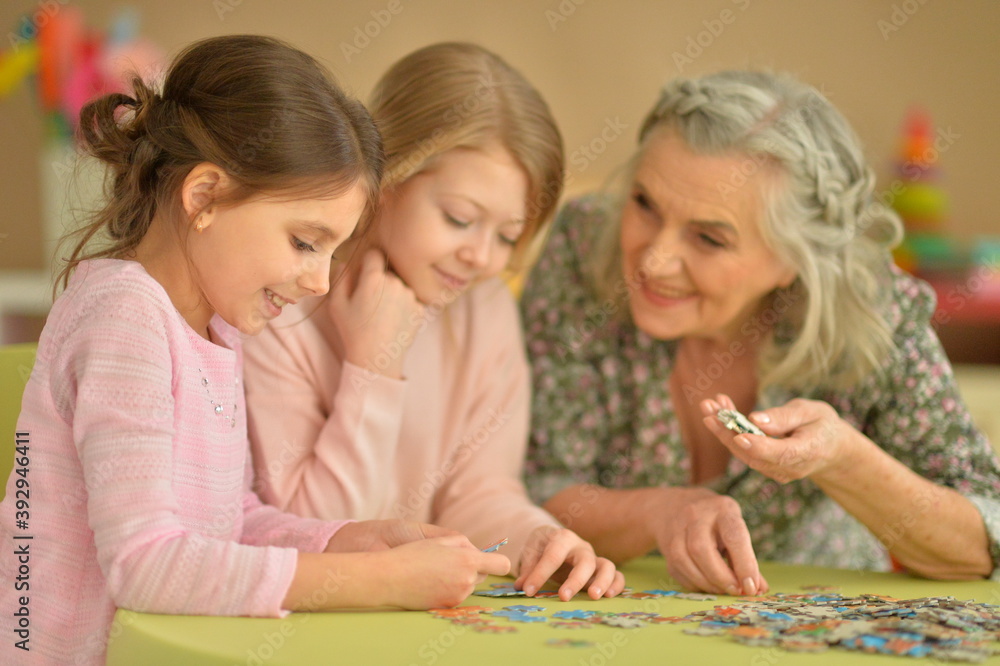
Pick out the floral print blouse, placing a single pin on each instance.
(603, 413)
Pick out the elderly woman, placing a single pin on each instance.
(748, 267)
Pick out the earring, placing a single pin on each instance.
(199, 225)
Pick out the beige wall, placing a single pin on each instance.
(601, 62)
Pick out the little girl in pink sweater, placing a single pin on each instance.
(231, 190)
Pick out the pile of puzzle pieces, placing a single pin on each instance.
(941, 628)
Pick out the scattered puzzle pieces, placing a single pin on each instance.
(940, 628)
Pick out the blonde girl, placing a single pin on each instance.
(406, 394)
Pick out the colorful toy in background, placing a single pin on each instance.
(921, 202)
(71, 63)
(965, 275)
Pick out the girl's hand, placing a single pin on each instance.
(437, 572)
(373, 535)
(706, 543)
(814, 440)
(561, 554)
(376, 315)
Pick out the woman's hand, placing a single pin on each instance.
(373, 535)
(706, 543)
(805, 438)
(376, 315)
(559, 553)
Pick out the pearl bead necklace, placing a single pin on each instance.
(217, 407)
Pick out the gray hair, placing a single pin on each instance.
(820, 217)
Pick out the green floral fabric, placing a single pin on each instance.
(603, 412)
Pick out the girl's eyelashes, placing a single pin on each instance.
(458, 223)
(461, 224)
(302, 246)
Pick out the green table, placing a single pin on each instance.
(418, 638)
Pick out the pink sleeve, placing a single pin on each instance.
(118, 394)
(266, 525)
(484, 497)
(321, 448)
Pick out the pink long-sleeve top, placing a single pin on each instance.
(139, 491)
(444, 445)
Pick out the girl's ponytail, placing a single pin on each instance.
(268, 114)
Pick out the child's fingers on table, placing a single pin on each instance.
(536, 574)
(554, 554)
(617, 585)
(529, 558)
(582, 574)
(603, 581)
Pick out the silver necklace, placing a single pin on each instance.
(216, 406)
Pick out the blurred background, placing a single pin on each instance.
(918, 79)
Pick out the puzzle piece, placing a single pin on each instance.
(622, 622)
(501, 590)
(570, 625)
(736, 422)
(523, 617)
(546, 594)
(573, 614)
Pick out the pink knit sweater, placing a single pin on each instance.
(445, 445)
(139, 491)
